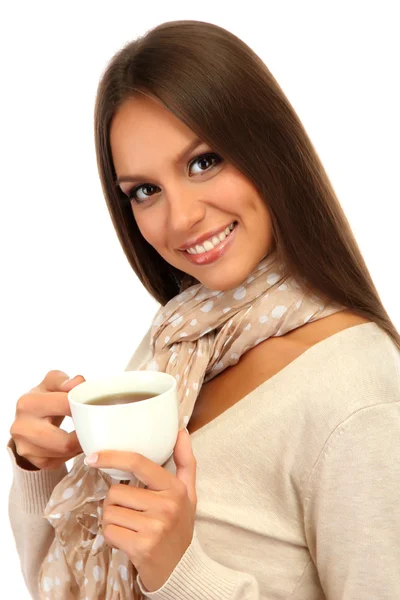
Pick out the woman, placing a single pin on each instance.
(287, 363)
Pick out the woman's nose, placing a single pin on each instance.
(185, 210)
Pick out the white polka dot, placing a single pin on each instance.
(299, 303)
(177, 320)
(79, 565)
(98, 542)
(248, 327)
(190, 350)
(166, 340)
(58, 581)
(116, 586)
(79, 483)
(50, 557)
(273, 278)
(68, 493)
(227, 309)
(47, 584)
(57, 552)
(199, 353)
(187, 392)
(193, 322)
(123, 571)
(283, 287)
(97, 572)
(234, 356)
(87, 580)
(152, 366)
(173, 356)
(207, 307)
(195, 385)
(183, 334)
(279, 311)
(219, 365)
(263, 319)
(177, 377)
(239, 293)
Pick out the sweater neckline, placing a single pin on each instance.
(292, 366)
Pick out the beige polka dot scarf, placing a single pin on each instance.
(198, 334)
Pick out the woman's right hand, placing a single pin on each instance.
(36, 432)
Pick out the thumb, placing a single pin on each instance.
(72, 382)
(186, 464)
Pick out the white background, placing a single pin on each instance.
(69, 299)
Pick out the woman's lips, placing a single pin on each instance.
(211, 256)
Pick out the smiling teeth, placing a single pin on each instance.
(212, 242)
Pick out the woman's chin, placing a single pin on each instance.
(222, 281)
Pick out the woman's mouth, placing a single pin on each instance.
(212, 249)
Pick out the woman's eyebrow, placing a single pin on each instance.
(179, 158)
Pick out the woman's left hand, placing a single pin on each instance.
(153, 526)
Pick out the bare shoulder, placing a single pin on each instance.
(315, 332)
(269, 357)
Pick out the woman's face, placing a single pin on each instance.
(199, 213)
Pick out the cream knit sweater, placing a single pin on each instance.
(298, 485)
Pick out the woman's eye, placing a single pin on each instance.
(204, 160)
(141, 193)
(133, 193)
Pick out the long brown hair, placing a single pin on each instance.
(215, 84)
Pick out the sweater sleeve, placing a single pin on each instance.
(198, 577)
(352, 509)
(28, 497)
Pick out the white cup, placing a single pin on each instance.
(149, 427)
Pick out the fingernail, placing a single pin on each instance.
(91, 459)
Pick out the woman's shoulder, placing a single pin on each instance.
(353, 365)
(142, 354)
(346, 345)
